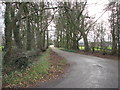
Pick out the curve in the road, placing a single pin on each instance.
(86, 72)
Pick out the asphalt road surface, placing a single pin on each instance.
(86, 72)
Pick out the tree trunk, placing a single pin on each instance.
(17, 36)
(84, 37)
(114, 44)
(43, 40)
(8, 34)
(47, 39)
(118, 28)
(85, 42)
(7, 22)
(75, 43)
(29, 39)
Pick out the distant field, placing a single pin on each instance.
(81, 47)
(96, 48)
(1, 48)
(110, 47)
(67, 50)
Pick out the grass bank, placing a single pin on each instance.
(38, 71)
(68, 50)
(96, 53)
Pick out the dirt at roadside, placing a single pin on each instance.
(58, 67)
(98, 54)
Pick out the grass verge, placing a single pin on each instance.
(45, 68)
(96, 48)
(97, 54)
(68, 50)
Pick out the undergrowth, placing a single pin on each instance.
(24, 77)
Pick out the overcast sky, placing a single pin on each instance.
(96, 8)
(1, 18)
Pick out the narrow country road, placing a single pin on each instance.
(86, 72)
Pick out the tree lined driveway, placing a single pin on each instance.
(86, 72)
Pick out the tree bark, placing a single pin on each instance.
(86, 42)
(8, 34)
(114, 44)
(29, 39)
(17, 37)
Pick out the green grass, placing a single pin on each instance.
(110, 47)
(1, 48)
(37, 71)
(81, 47)
(68, 50)
(96, 48)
